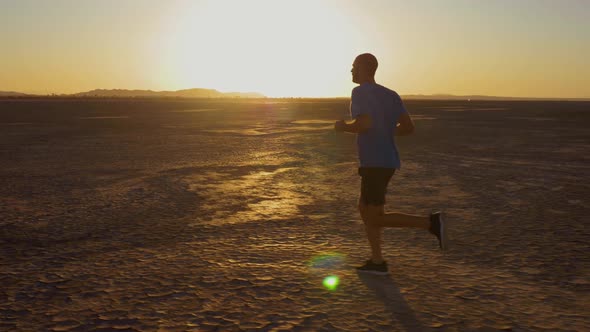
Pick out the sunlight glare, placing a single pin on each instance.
(274, 47)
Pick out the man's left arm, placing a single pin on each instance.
(359, 125)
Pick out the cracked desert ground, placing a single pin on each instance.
(226, 215)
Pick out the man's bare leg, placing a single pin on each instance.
(375, 218)
(397, 219)
(373, 233)
(433, 223)
(404, 220)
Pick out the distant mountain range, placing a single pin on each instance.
(124, 93)
(211, 93)
(187, 93)
(12, 94)
(482, 97)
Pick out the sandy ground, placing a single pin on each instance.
(226, 216)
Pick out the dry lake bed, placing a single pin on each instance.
(227, 215)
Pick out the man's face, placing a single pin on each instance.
(355, 71)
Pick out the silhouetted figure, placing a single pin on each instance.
(378, 116)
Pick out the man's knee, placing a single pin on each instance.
(363, 209)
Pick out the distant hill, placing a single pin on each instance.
(187, 93)
(12, 94)
(482, 97)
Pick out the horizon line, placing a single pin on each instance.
(441, 96)
(406, 97)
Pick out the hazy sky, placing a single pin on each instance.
(297, 48)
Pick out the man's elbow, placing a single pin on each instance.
(362, 126)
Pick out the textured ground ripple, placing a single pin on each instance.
(179, 217)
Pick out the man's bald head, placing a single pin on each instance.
(368, 62)
(364, 68)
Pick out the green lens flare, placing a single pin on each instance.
(331, 282)
(328, 260)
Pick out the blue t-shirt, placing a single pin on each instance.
(376, 146)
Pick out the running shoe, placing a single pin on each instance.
(373, 268)
(438, 228)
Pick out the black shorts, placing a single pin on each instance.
(374, 182)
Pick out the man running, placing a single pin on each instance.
(378, 115)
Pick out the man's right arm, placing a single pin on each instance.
(405, 125)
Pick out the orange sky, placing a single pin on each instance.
(527, 48)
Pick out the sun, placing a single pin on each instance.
(278, 48)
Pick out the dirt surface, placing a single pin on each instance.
(179, 215)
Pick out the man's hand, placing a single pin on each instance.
(361, 124)
(339, 125)
(405, 125)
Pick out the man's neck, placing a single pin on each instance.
(369, 80)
